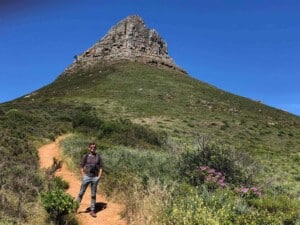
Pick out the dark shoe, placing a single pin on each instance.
(93, 214)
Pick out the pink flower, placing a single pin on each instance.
(218, 174)
(222, 184)
(254, 189)
(245, 190)
(208, 178)
(203, 168)
(211, 171)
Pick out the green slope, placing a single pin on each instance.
(177, 103)
(160, 99)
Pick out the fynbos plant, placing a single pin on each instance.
(247, 192)
(211, 177)
(58, 203)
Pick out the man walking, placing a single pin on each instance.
(91, 171)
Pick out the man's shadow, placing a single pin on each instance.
(99, 206)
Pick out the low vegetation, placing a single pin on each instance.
(162, 188)
(186, 152)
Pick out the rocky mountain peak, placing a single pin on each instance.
(130, 39)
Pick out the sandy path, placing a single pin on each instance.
(108, 213)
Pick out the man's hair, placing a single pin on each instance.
(92, 143)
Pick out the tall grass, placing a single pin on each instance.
(151, 185)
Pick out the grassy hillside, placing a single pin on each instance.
(174, 102)
(139, 106)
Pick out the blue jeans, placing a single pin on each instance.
(86, 180)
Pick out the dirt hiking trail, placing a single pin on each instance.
(108, 213)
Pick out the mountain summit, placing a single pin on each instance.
(129, 40)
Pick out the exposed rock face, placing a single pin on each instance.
(130, 40)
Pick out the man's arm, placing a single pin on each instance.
(82, 164)
(82, 171)
(100, 172)
(100, 166)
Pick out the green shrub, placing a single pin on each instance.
(198, 205)
(60, 183)
(115, 182)
(68, 219)
(124, 132)
(86, 121)
(237, 167)
(292, 218)
(144, 164)
(120, 131)
(190, 209)
(278, 203)
(256, 218)
(58, 203)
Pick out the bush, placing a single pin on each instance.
(142, 163)
(86, 122)
(256, 218)
(212, 178)
(274, 204)
(116, 181)
(124, 132)
(238, 167)
(121, 131)
(58, 203)
(191, 209)
(198, 206)
(60, 183)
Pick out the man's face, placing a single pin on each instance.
(92, 148)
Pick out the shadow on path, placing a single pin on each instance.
(98, 207)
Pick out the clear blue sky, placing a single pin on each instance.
(247, 47)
